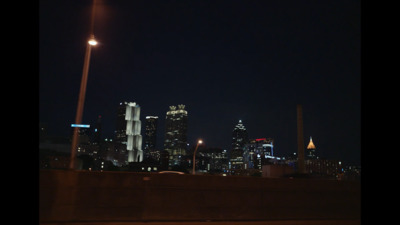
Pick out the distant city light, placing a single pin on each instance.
(261, 139)
(81, 125)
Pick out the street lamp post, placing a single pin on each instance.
(194, 155)
(81, 100)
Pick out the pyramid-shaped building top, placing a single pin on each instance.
(311, 144)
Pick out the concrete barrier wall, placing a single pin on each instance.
(125, 196)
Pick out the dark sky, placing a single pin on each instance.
(225, 60)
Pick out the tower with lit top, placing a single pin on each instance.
(239, 139)
(311, 150)
(176, 133)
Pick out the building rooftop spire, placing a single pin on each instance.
(311, 144)
(240, 126)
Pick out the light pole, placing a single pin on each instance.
(81, 100)
(194, 155)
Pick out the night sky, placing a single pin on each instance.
(225, 60)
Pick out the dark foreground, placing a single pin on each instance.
(125, 198)
(282, 222)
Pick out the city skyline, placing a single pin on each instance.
(226, 61)
(236, 134)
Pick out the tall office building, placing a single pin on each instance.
(239, 139)
(176, 133)
(311, 150)
(128, 141)
(150, 138)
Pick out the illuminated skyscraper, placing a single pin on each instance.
(311, 150)
(176, 133)
(128, 141)
(239, 139)
(150, 138)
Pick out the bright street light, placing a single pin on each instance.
(92, 41)
(194, 155)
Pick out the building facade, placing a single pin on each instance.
(323, 167)
(239, 139)
(150, 138)
(176, 133)
(128, 141)
(258, 152)
(212, 160)
(84, 142)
